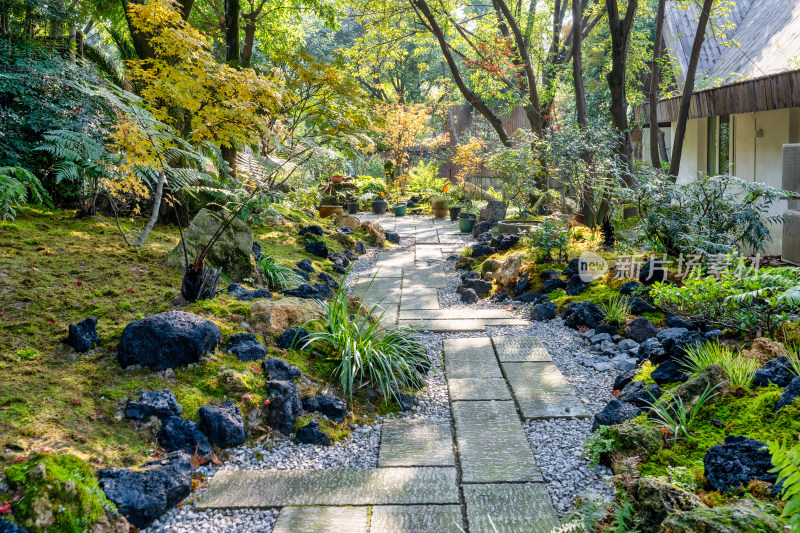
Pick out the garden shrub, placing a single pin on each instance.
(17, 185)
(708, 215)
(548, 237)
(762, 301)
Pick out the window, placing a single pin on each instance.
(719, 142)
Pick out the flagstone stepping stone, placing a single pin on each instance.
(395, 259)
(465, 389)
(542, 392)
(387, 272)
(470, 358)
(428, 253)
(492, 446)
(322, 520)
(266, 489)
(416, 297)
(377, 290)
(442, 326)
(520, 349)
(425, 276)
(416, 519)
(455, 314)
(510, 507)
(416, 442)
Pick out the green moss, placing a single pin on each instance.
(643, 374)
(743, 413)
(60, 492)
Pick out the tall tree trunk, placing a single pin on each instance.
(620, 30)
(688, 89)
(233, 52)
(577, 65)
(655, 81)
(249, 40)
(162, 178)
(427, 18)
(551, 64)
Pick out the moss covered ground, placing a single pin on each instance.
(56, 269)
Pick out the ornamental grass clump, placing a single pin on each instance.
(277, 275)
(740, 370)
(616, 310)
(368, 354)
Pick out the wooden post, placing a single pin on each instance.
(72, 45)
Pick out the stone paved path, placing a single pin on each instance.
(475, 473)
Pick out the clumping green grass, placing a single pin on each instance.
(278, 275)
(738, 369)
(616, 310)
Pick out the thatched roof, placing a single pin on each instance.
(764, 40)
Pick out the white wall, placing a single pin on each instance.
(756, 153)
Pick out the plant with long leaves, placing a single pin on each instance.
(786, 463)
(674, 416)
(740, 370)
(616, 310)
(278, 275)
(368, 354)
(17, 184)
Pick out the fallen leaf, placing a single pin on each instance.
(78, 283)
(5, 508)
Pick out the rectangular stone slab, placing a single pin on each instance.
(428, 253)
(265, 489)
(520, 349)
(415, 519)
(395, 259)
(513, 508)
(425, 276)
(387, 272)
(470, 389)
(441, 326)
(322, 520)
(416, 297)
(471, 357)
(456, 314)
(416, 442)
(492, 446)
(542, 392)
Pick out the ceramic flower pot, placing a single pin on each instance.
(454, 212)
(399, 209)
(466, 222)
(379, 206)
(352, 208)
(327, 210)
(439, 207)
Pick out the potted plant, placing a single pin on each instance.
(467, 219)
(439, 206)
(399, 209)
(380, 205)
(454, 212)
(329, 206)
(337, 178)
(352, 207)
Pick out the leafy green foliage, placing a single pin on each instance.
(277, 274)
(548, 237)
(424, 179)
(600, 442)
(738, 369)
(670, 413)
(786, 462)
(708, 215)
(386, 358)
(755, 301)
(616, 310)
(16, 186)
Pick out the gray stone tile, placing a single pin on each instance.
(416, 442)
(395, 259)
(512, 508)
(542, 391)
(478, 389)
(520, 349)
(456, 314)
(416, 297)
(492, 446)
(265, 489)
(322, 520)
(425, 275)
(387, 272)
(441, 326)
(377, 290)
(428, 253)
(416, 519)
(471, 357)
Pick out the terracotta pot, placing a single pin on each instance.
(338, 178)
(327, 210)
(439, 207)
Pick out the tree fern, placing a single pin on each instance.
(16, 186)
(786, 462)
